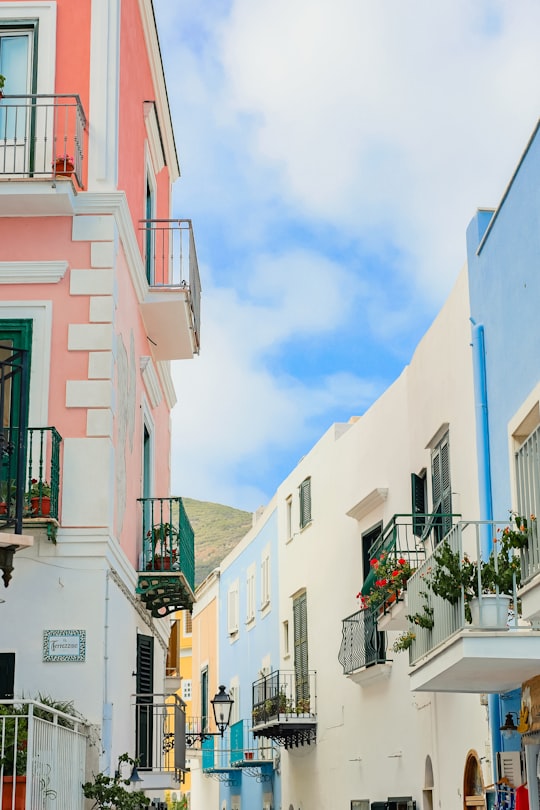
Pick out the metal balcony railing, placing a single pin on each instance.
(168, 542)
(42, 756)
(42, 136)
(362, 645)
(465, 540)
(37, 495)
(170, 260)
(236, 749)
(160, 724)
(284, 695)
(406, 535)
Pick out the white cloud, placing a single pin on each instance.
(314, 137)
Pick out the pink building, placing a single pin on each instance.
(99, 291)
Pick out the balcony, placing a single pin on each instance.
(172, 308)
(166, 576)
(284, 708)
(160, 748)
(43, 755)
(41, 138)
(363, 648)
(238, 751)
(457, 655)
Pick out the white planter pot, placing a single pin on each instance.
(490, 611)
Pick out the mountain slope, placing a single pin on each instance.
(217, 530)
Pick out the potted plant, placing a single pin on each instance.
(392, 574)
(2, 83)
(455, 575)
(14, 733)
(7, 495)
(63, 165)
(39, 495)
(163, 544)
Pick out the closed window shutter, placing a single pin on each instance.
(418, 492)
(232, 610)
(305, 502)
(145, 688)
(145, 664)
(441, 488)
(301, 663)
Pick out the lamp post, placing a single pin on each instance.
(509, 727)
(222, 704)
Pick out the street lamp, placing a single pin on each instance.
(221, 706)
(509, 728)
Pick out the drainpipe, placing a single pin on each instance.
(485, 496)
(106, 723)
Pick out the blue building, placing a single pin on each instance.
(503, 251)
(248, 638)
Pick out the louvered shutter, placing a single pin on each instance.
(418, 492)
(301, 647)
(145, 688)
(232, 610)
(305, 502)
(446, 489)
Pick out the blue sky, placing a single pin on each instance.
(332, 155)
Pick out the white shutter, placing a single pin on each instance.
(265, 581)
(232, 610)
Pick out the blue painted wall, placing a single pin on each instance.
(243, 657)
(504, 283)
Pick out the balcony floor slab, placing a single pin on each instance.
(479, 661)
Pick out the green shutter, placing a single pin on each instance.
(305, 502)
(301, 665)
(418, 492)
(441, 487)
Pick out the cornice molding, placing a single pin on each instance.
(162, 101)
(32, 272)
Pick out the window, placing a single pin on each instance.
(441, 488)
(188, 623)
(288, 511)
(17, 44)
(234, 692)
(186, 689)
(250, 594)
(305, 502)
(286, 650)
(265, 580)
(145, 687)
(527, 464)
(369, 538)
(232, 609)
(301, 675)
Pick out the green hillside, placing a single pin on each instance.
(217, 530)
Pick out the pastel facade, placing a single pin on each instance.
(87, 162)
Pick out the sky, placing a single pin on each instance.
(332, 154)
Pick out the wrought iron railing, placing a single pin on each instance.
(406, 536)
(238, 747)
(168, 540)
(466, 541)
(42, 756)
(284, 694)
(42, 136)
(362, 645)
(527, 461)
(160, 724)
(170, 259)
(43, 452)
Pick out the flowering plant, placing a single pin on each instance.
(391, 576)
(517, 534)
(39, 489)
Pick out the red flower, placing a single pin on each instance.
(402, 561)
(395, 574)
(381, 583)
(374, 564)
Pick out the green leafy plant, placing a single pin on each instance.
(517, 534)
(14, 733)
(404, 641)
(39, 489)
(2, 81)
(423, 618)
(109, 792)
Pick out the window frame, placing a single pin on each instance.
(304, 490)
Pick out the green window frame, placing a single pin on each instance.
(305, 502)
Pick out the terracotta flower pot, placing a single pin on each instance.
(63, 167)
(45, 509)
(20, 793)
